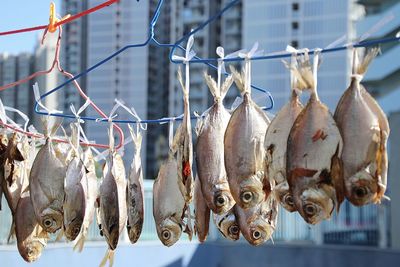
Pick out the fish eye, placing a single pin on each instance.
(76, 230)
(48, 222)
(256, 234)
(310, 209)
(288, 199)
(247, 197)
(166, 234)
(233, 229)
(360, 192)
(220, 201)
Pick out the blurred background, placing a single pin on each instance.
(146, 80)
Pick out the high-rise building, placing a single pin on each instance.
(125, 76)
(8, 75)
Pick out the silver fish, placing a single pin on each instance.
(113, 211)
(210, 156)
(168, 203)
(46, 183)
(257, 224)
(227, 224)
(244, 148)
(201, 213)
(365, 130)
(313, 155)
(135, 192)
(275, 145)
(185, 146)
(75, 201)
(89, 185)
(31, 238)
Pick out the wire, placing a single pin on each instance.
(74, 17)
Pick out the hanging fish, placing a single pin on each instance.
(135, 191)
(227, 224)
(31, 238)
(113, 211)
(257, 224)
(244, 148)
(275, 145)
(365, 130)
(46, 183)
(75, 182)
(210, 157)
(185, 145)
(201, 213)
(3, 147)
(314, 148)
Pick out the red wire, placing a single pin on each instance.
(74, 17)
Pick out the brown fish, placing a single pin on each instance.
(257, 224)
(276, 144)
(244, 148)
(313, 154)
(75, 200)
(135, 192)
(365, 130)
(227, 224)
(201, 213)
(46, 184)
(210, 156)
(31, 238)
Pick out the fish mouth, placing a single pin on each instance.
(134, 233)
(113, 236)
(73, 230)
(32, 252)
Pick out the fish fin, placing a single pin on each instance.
(302, 172)
(54, 127)
(382, 162)
(337, 177)
(11, 234)
(109, 256)
(184, 89)
(60, 235)
(79, 243)
(239, 80)
(189, 227)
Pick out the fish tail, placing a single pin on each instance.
(239, 80)
(109, 256)
(54, 127)
(184, 89)
(80, 243)
(369, 56)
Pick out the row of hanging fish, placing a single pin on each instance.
(305, 159)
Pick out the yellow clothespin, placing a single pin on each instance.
(53, 18)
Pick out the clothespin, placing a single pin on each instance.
(53, 20)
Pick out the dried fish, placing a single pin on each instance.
(210, 157)
(201, 212)
(135, 192)
(46, 183)
(244, 148)
(227, 224)
(257, 224)
(313, 153)
(365, 130)
(276, 144)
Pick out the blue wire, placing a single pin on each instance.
(196, 59)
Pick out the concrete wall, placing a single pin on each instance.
(212, 254)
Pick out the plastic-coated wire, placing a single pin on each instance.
(151, 39)
(74, 17)
(177, 45)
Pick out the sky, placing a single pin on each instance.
(17, 14)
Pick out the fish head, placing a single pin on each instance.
(259, 232)
(251, 192)
(361, 188)
(229, 227)
(51, 220)
(169, 232)
(285, 197)
(134, 231)
(30, 250)
(73, 228)
(314, 205)
(222, 200)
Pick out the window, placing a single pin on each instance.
(295, 6)
(295, 25)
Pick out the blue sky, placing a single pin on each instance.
(18, 14)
